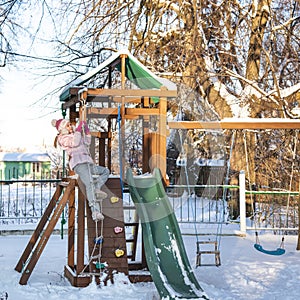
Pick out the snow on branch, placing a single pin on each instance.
(287, 92)
(285, 24)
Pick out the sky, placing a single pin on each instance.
(23, 122)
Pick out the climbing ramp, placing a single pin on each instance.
(165, 252)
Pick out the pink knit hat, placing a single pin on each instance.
(59, 124)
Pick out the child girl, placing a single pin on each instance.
(76, 143)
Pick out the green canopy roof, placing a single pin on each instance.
(136, 72)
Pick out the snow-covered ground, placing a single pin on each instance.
(244, 273)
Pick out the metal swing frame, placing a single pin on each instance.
(280, 250)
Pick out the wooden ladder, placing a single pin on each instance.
(44, 229)
(214, 251)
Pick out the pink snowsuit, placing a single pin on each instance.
(77, 147)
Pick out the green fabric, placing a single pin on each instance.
(164, 248)
(139, 76)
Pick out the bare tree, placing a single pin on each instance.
(241, 59)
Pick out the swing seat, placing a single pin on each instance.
(278, 251)
(181, 162)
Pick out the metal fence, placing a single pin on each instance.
(24, 201)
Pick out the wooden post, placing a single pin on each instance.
(122, 111)
(82, 94)
(71, 230)
(162, 150)
(102, 151)
(242, 183)
(146, 138)
(109, 144)
(81, 232)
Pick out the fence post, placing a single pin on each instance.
(242, 189)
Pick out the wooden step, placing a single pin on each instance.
(215, 251)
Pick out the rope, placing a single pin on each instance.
(98, 238)
(250, 186)
(291, 177)
(225, 188)
(120, 150)
(188, 186)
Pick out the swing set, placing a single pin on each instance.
(280, 250)
(247, 124)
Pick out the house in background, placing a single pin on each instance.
(18, 165)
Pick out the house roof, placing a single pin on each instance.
(24, 157)
(135, 71)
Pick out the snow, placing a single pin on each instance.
(244, 272)
(23, 157)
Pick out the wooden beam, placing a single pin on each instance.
(107, 111)
(243, 123)
(117, 99)
(113, 112)
(162, 130)
(102, 135)
(126, 95)
(132, 93)
(142, 111)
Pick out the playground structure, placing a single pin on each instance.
(117, 107)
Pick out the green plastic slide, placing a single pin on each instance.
(165, 253)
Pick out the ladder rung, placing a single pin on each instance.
(130, 240)
(208, 252)
(131, 224)
(207, 242)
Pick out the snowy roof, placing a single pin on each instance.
(21, 157)
(135, 72)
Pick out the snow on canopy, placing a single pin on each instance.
(135, 71)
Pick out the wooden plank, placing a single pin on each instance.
(140, 277)
(142, 112)
(104, 112)
(162, 139)
(129, 112)
(134, 93)
(113, 183)
(114, 94)
(77, 281)
(71, 230)
(243, 123)
(112, 241)
(80, 231)
(117, 99)
(102, 135)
